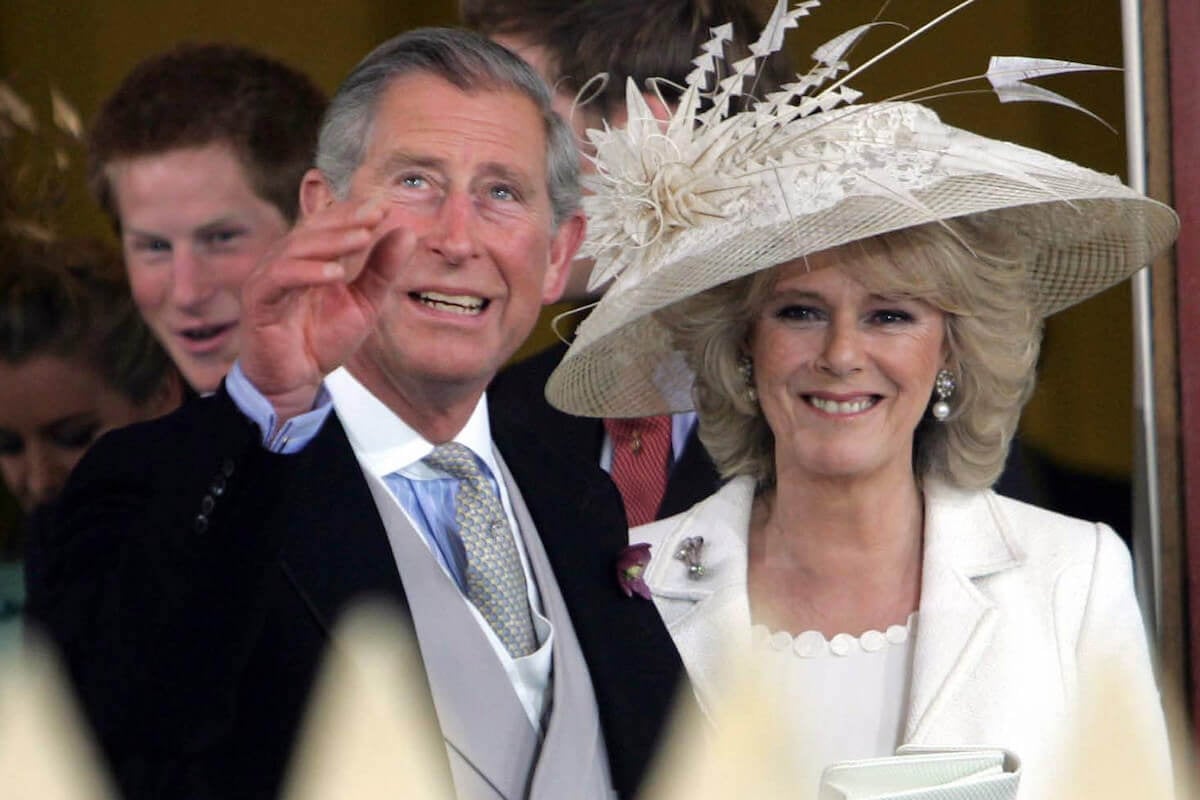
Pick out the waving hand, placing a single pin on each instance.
(314, 298)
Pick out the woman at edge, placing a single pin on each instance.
(76, 360)
(852, 303)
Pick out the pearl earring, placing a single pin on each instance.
(943, 386)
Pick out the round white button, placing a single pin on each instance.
(842, 644)
(780, 640)
(810, 644)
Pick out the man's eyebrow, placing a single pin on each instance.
(220, 221)
(140, 233)
(399, 159)
(495, 170)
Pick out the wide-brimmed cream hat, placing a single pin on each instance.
(714, 197)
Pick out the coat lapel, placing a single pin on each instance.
(335, 549)
(709, 617)
(965, 540)
(635, 669)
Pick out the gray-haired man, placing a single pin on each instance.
(192, 586)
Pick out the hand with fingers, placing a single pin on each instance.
(314, 299)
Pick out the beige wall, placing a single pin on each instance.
(1082, 410)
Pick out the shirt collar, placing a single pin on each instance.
(384, 443)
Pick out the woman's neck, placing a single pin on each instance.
(837, 556)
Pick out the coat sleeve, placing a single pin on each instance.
(145, 580)
(1120, 706)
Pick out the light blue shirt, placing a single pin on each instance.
(296, 433)
(430, 503)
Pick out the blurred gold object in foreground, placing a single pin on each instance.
(368, 733)
(45, 753)
(365, 737)
(1103, 757)
(748, 754)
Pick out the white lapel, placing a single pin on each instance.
(966, 538)
(708, 617)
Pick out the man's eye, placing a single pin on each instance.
(152, 245)
(505, 193)
(414, 181)
(220, 237)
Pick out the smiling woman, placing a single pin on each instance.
(941, 268)
(851, 296)
(75, 361)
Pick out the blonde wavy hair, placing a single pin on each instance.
(972, 269)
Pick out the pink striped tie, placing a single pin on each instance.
(640, 463)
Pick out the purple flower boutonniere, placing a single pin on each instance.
(631, 563)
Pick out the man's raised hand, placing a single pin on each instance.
(314, 298)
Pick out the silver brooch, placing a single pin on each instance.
(689, 553)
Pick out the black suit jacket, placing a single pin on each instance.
(518, 395)
(191, 581)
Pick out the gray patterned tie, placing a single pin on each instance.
(495, 580)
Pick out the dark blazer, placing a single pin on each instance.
(191, 581)
(518, 394)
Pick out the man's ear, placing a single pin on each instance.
(563, 246)
(315, 192)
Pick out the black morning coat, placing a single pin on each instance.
(191, 580)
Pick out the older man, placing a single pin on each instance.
(192, 584)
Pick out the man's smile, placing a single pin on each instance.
(465, 304)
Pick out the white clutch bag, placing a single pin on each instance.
(925, 774)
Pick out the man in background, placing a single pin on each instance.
(197, 158)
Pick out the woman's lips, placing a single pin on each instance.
(842, 407)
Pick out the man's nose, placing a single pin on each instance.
(453, 236)
(192, 280)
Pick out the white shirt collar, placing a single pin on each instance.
(385, 443)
